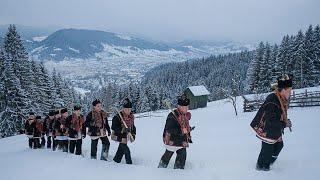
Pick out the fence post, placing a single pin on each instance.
(306, 92)
(244, 105)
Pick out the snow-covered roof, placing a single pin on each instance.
(199, 90)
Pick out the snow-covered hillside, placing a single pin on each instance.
(86, 56)
(224, 148)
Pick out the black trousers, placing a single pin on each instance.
(105, 147)
(180, 159)
(49, 142)
(43, 142)
(34, 143)
(54, 144)
(123, 149)
(268, 154)
(75, 145)
(63, 145)
(31, 142)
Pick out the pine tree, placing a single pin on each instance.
(162, 96)
(2, 79)
(283, 56)
(67, 94)
(265, 73)
(35, 93)
(309, 46)
(254, 68)
(316, 55)
(134, 95)
(299, 61)
(274, 63)
(12, 46)
(15, 101)
(106, 96)
(57, 90)
(144, 104)
(44, 87)
(17, 54)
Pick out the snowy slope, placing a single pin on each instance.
(224, 148)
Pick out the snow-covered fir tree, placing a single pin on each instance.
(15, 100)
(299, 61)
(26, 86)
(265, 74)
(44, 87)
(274, 63)
(2, 77)
(255, 68)
(310, 59)
(297, 55)
(316, 38)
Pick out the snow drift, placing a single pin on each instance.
(224, 147)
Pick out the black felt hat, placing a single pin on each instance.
(183, 100)
(51, 113)
(127, 103)
(77, 107)
(95, 102)
(57, 112)
(64, 110)
(284, 81)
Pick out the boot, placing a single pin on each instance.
(262, 168)
(65, 145)
(30, 143)
(43, 142)
(162, 164)
(104, 153)
(36, 143)
(178, 165)
(48, 142)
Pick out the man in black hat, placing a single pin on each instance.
(124, 130)
(41, 127)
(37, 132)
(29, 127)
(61, 131)
(57, 117)
(270, 121)
(47, 127)
(76, 130)
(98, 128)
(176, 134)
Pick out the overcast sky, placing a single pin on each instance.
(170, 20)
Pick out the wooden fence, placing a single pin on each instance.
(305, 99)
